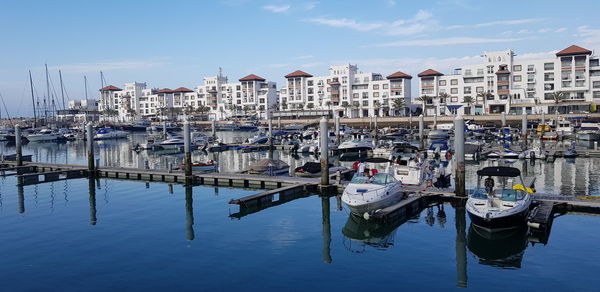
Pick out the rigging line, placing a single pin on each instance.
(7, 114)
(53, 93)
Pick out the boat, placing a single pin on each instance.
(140, 126)
(564, 127)
(248, 127)
(506, 153)
(589, 131)
(505, 133)
(438, 134)
(408, 171)
(534, 153)
(570, 153)
(438, 147)
(229, 126)
(313, 169)
(358, 144)
(367, 194)
(269, 167)
(505, 207)
(472, 150)
(260, 138)
(109, 133)
(202, 166)
(306, 146)
(43, 135)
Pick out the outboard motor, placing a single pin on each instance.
(531, 154)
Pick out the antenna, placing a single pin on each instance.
(85, 86)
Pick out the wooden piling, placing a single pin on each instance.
(90, 148)
(324, 137)
(18, 145)
(459, 155)
(187, 151)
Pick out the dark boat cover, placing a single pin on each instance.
(499, 171)
(311, 167)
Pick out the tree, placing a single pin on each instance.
(377, 107)
(346, 106)
(284, 105)
(398, 105)
(484, 95)
(425, 99)
(558, 97)
(469, 101)
(443, 98)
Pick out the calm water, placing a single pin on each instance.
(104, 235)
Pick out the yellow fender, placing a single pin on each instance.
(520, 187)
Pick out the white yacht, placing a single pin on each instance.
(110, 133)
(535, 152)
(408, 171)
(564, 127)
(589, 131)
(502, 204)
(359, 143)
(43, 135)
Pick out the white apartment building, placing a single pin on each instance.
(252, 95)
(347, 92)
(514, 86)
(84, 110)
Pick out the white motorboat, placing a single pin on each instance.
(43, 135)
(306, 147)
(110, 133)
(313, 169)
(439, 147)
(362, 143)
(534, 153)
(589, 131)
(408, 171)
(564, 127)
(271, 167)
(259, 138)
(501, 208)
(438, 134)
(202, 166)
(505, 153)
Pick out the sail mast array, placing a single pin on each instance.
(33, 100)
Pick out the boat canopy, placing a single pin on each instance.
(499, 171)
(104, 131)
(377, 160)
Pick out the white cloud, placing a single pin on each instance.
(496, 23)
(310, 5)
(304, 57)
(311, 65)
(109, 66)
(391, 3)
(589, 35)
(562, 29)
(279, 65)
(422, 21)
(277, 8)
(447, 41)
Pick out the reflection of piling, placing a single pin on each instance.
(21, 198)
(461, 247)
(187, 151)
(164, 126)
(324, 151)
(326, 230)
(337, 130)
(90, 148)
(18, 145)
(543, 123)
(92, 199)
(421, 132)
(524, 127)
(459, 155)
(189, 213)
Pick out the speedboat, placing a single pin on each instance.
(202, 166)
(589, 131)
(313, 169)
(408, 171)
(439, 147)
(260, 138)
(505, 153)
(505, 207)
(109, 133)
(306, 147)
(357, 144)
(570, 153)
(367, 194)
(229, 126)
(269, 167)
(533, 153)
(438, 134)
(43, 135)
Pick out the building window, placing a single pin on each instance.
(480, 71)
(467, 90)
(365, 103)
(375, 86)
(365, 95)
(596, 84)
(490, 69)
(375, 94)
(549, 86)
(309, 83)
(517, 68)
(530, 78)
(517, 78)
(454, 82)
(596, 94)
(385, 86)
(467, 72)
(479, 89)
(454, 91)
(530, 68)
(442, 82)
(548, 66)
(549, 77)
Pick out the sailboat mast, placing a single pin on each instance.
(32, 100)
(47, 95)
(62, 90)
(85, 85)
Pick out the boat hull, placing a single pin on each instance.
(515, 220)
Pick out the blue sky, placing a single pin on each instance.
(176, 43)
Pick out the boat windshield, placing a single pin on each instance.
(505, 194)
(378, 179)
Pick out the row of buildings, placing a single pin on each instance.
(568, 83)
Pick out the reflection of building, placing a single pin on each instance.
(346, 91)
(502, 84)
(85, 110)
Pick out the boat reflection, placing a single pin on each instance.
(368, 233)
(502, 249)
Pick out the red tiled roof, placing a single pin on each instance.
(429, 72)
(252, 77)
(165, 90)
(298, 73)
(399, 75)
(574, 50)
(110, 88)
(182, 89)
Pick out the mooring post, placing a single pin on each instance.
(187, 145)
(435, 121)
(213, 128)
(279, 123)
(596, 145)
(524, 127)
(165, 129)
(92, 199)
(376, 125)
(421, 131)
(18, 145)
(270, 137)
(90, 148)
(337, 130)
(503, 118)
(324, 151)
(189, 213)
(325, 207)
(543, 129)
(459, 155)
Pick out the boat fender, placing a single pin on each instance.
(366, 216)
(448, 155)
(487, 216)
(533, 225)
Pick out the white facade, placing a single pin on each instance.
(84, 110)
(346, 91)
(515, 85)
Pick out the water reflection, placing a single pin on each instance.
(325, 210)
(461, 246)
(92, 199)
(368, 233)
(189, 212)
(502, 249)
